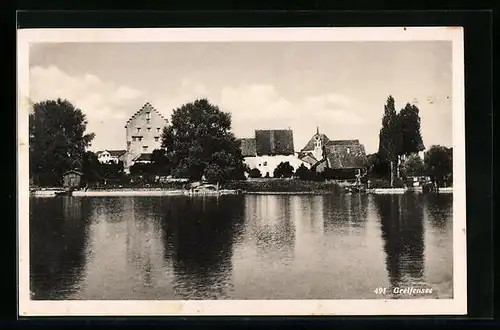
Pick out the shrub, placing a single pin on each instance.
(254, 173)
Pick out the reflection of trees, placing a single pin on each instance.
(58, 234)
(440, 208)
(199, 237)
(401, 219)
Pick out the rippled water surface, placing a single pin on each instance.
(240, 247)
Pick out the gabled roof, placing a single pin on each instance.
(341, 156)
(73, 171)
(274, 142)
(248, 147)
(308, 158)
(146, 107)
(116, 153)
(310, 144)
(343, 142)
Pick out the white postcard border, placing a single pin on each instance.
(457, 305)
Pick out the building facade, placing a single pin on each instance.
(345, 157)
(143, 134)
(268, 149)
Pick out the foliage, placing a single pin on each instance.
(384, 183)
(199, 142)
(160, 162)
(303, 173)
(377, 167)
(57, 140)
(390, 137)
(412, 166)
(97, 172)
(283, 170)
(438, 162)
(254, 173)
(409, 123)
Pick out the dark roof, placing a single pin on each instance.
(247, 147)
(73, 171)
(146, 107)
(346, 156)
(274, 142)
(308, 158)
(310, 144)
(343, 142)
(143, 158)
(116, 153)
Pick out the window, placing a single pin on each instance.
(145, 148)
(158, 129)
(149, 129)
(140, 138)
(157, 138)
(148, 115)
(265, 163)
(138, 129)
(134, 138)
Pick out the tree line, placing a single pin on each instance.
(197, 143)
(400, 141)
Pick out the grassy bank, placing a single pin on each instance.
(282, 185)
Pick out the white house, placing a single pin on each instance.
(268, 149)
(110, 156)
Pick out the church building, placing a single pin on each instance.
(347, 158)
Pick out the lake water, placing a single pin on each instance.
(240, 247)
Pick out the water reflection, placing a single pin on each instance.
(401, 218)
(199, 236)
(58, 235)
(239, 247)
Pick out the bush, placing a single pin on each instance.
(254, 173)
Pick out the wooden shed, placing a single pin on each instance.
(71, 179)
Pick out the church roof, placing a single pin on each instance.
(308, 158)
(343, 156)
(274, 142)
(310, 144)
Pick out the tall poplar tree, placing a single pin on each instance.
(390, 136)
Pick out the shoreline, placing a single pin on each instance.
(223, 192)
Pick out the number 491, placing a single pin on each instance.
(380, 290)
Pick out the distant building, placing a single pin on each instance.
(143, 134)
(268, 149)
(110, 156)
(343, 156)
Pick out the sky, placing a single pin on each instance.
(340, 87)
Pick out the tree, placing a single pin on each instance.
(438, 162)
(412, 166)
(199, 142)
(409, 123)
(390, 136)
(57, 140)
(160, 162)
(91, 167)
(283, 170)
(303, 173)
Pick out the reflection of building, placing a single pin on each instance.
(143, 131)
(268, 149)
(345, 157)
(110, 156)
